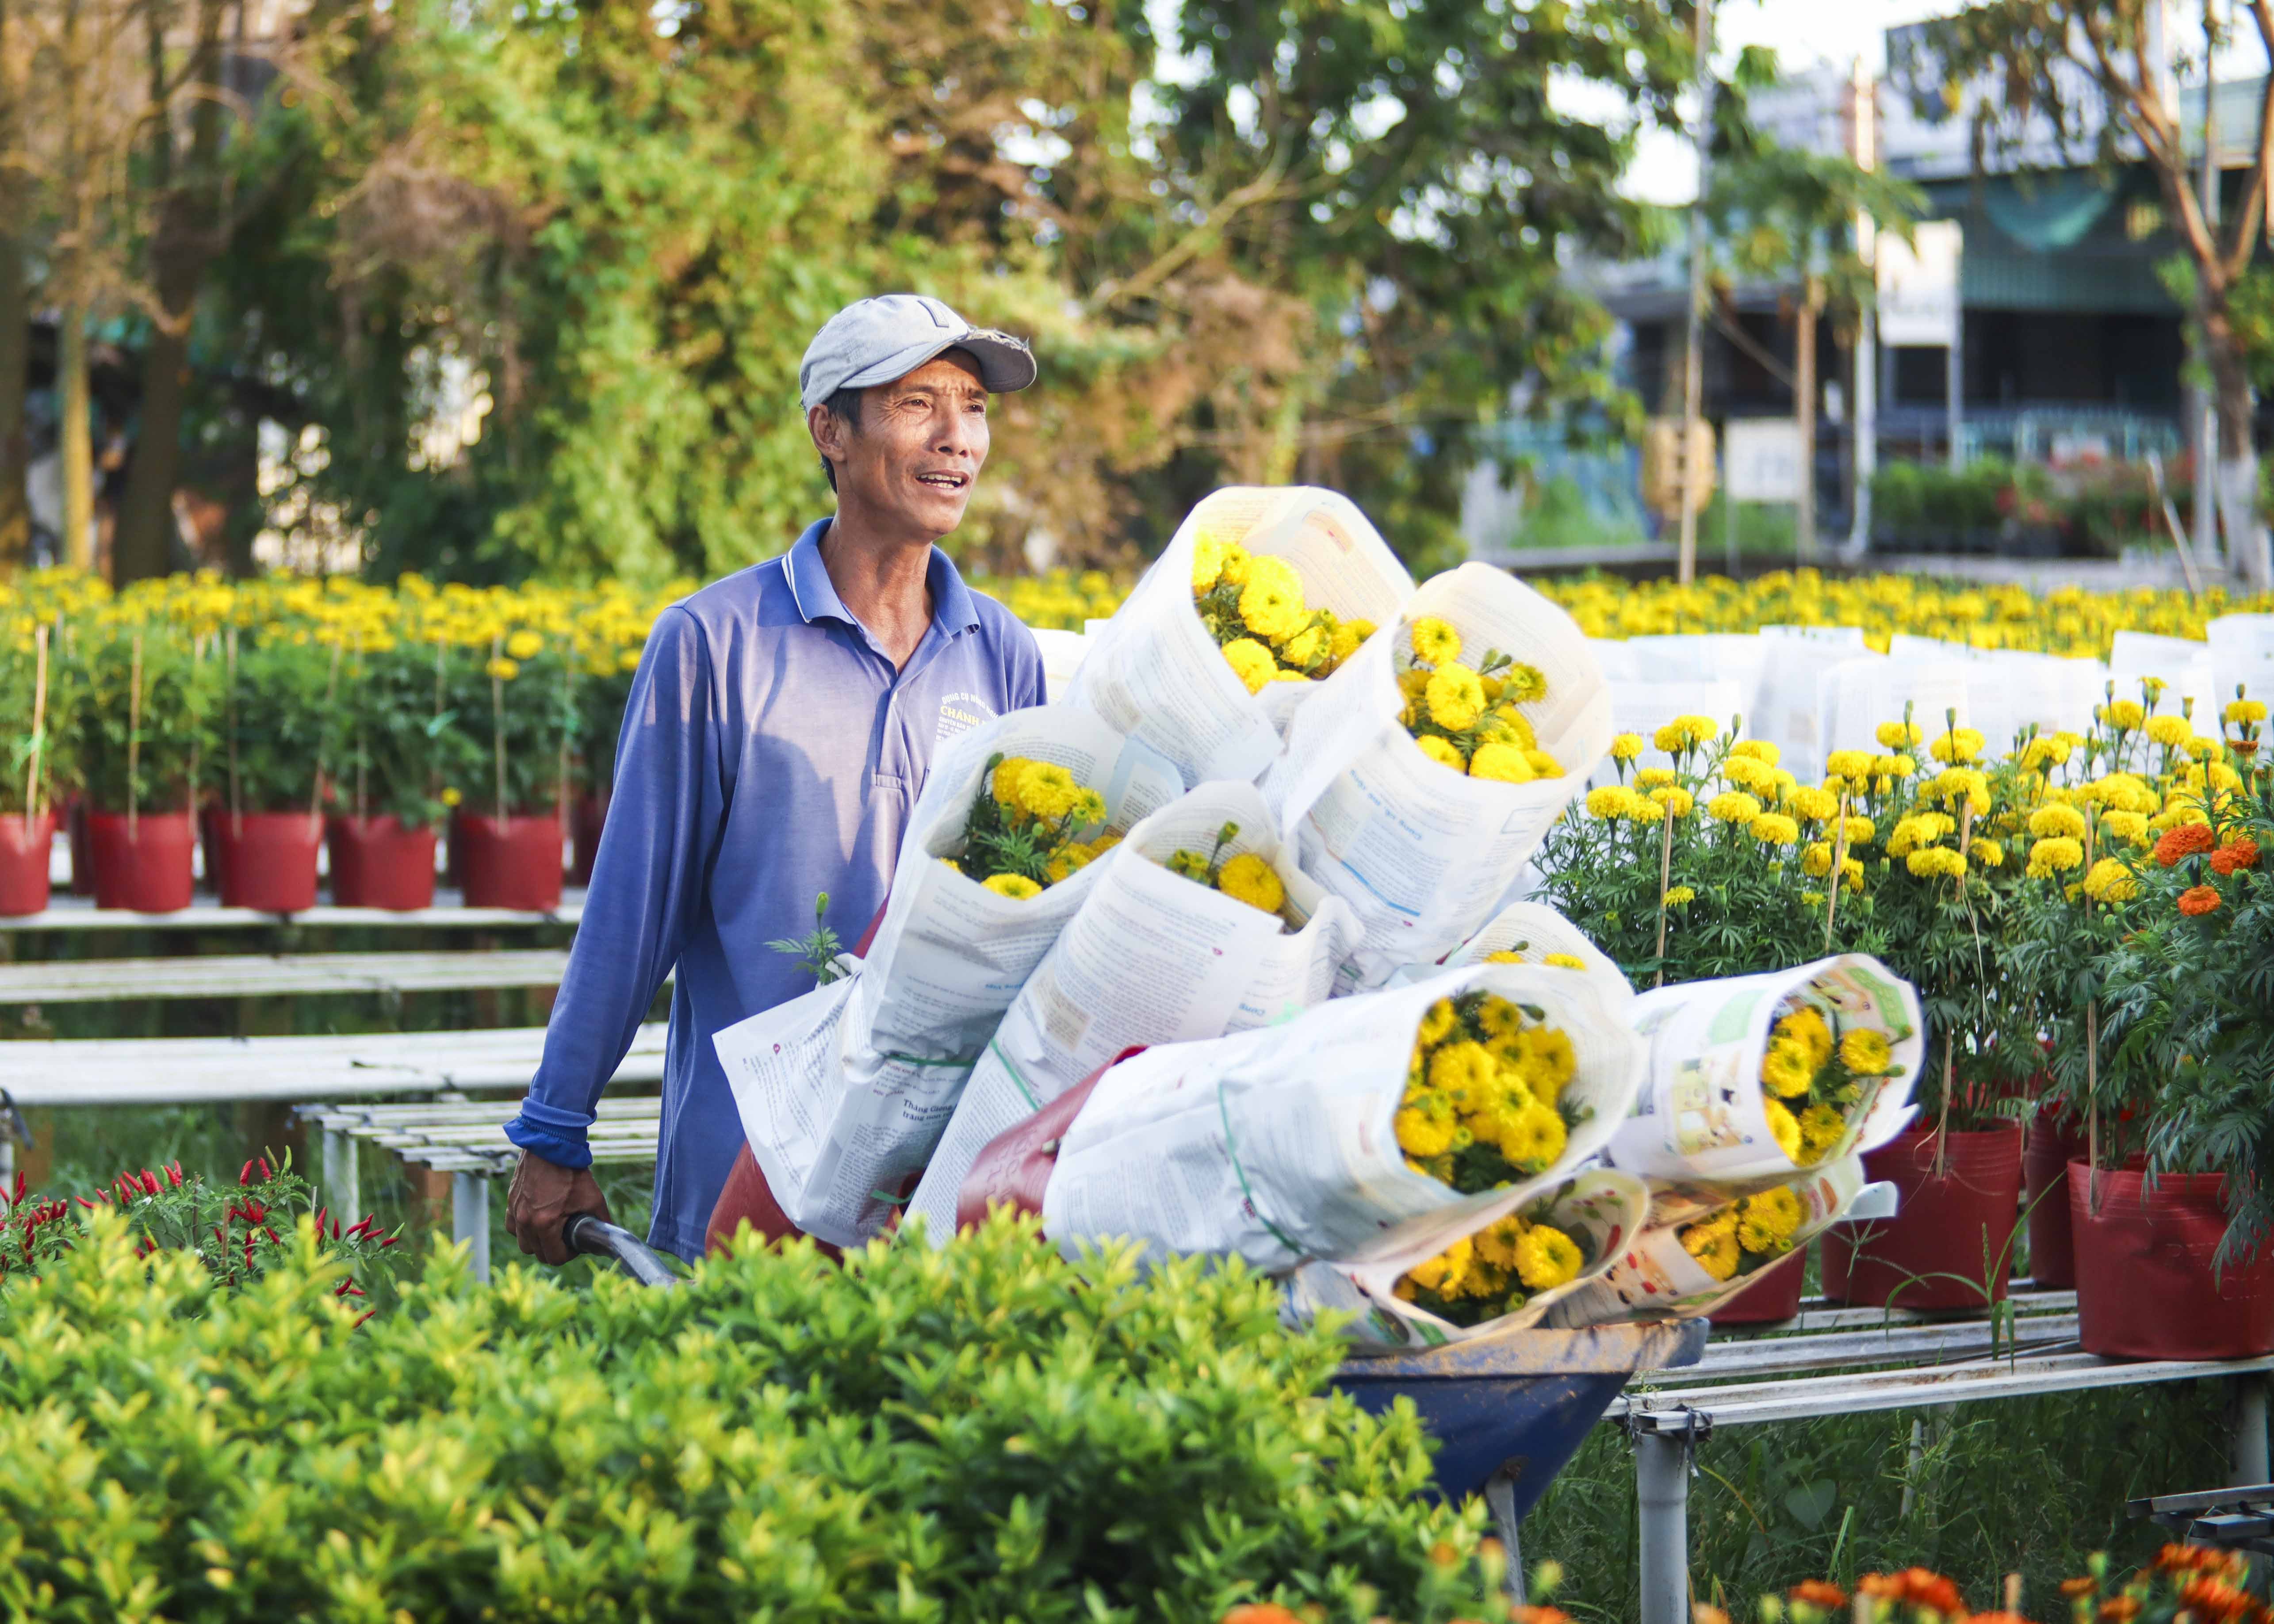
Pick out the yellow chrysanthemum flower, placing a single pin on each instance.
(1442, 750)
(1247, 878)
(1713, 1243)
(1784, 1128)
(1434, 642)
(1016, 887)
(1865, 1051)
(1533, 1140)
(1503, 763)
(1254, 664)
(1047, 790)
(1455, 697)
(1788, 1069)
(1679, 895)
(1546, 1257)
(1564, 961)
(1425, 1126)
(1463, 1073)
(1437, 1023)
(1271, 603)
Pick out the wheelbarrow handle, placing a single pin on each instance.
(595, 1236)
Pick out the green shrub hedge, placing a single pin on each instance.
(987, 1433)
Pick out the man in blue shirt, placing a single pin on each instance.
(779, 730)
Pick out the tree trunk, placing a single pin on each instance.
(2239, 509)
(76, 435)
(1804, 382)
(15, 336)
(141, 544)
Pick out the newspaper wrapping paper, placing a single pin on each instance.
(1280, 1144)
(1601, 1208)
(1421, 851)
(844, 1092)
(1698, 1113)
(1656, 1278)
(1533, 930)
(1154, 672)
(1150, 958)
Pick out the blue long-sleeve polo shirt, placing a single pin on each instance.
(770, 751)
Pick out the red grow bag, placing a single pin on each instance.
(1773, 1296)
(2053, 1143)
(24, 845)
(508, 862)
(267, 859)
(588, 814)
(147, 871)
(378, 863)
(2145, 1287)
(1947, 1231)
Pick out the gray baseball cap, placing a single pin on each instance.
(876, 341)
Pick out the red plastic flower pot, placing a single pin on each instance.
(82, 857)
(587, 816)
(268, 859)
(148, 869)
(2145, 1285)
(1950, 1242)
(378, 863)
(24, 845)
(2053, 1142)
(510, 862)
(1772, 1297)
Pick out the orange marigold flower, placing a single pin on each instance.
(2239, 852)
(2119, 1609)
(1538, 1615)
(2215, 1601)
(2084, 1585)
(1260, 1612)
(2183, 840)
(1817, 1593)
(1918, 1586)
(2198, 900)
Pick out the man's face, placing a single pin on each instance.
(922, 440)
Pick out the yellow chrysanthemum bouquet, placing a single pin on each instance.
(1814, 1079)
(1244, 876)
(1500, 1275)
(1471, 718)
(1748, 1232)
(1035, 825)
(1483, 1101)
(1261, 593)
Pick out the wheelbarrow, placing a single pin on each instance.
(1508, 1412)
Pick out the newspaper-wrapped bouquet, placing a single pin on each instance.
(843, 1093)
(1262, 591)
(1200, 925)
(1367, 1128)
(1418, 777)
(1704, 1244)
(1755, 1075)
(1505, 1274)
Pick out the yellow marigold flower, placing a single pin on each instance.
(1543, 765)
(1626, 747)
(1437, 1023)
(1714, 1245)
(1016, 887)
(1848, 763)
(1698, 729)
(2057, 820)
(1784, 1128)
(2111, 880)
(1247, 878)
(2239, 711)
(1679, 895)
(1463, 1073)
(1678, 803)
(1750, 776)
(1288, 673)
(2132, 826)
(1817, 805)
(1957, 747)
(2173, 733)
(1254, 664)
(2204, 748)
(1535, 1139)
(1989, 853)
(1546, 1257)
(1733, 806)
(1788, 1069)
(1271, 603)
(2046, 751)
(1775, 829)
(1935, 862)
(1866, 1052)
(2054, 854)
(1069, 859)
(1443, 750)
(1954, 785)
(1652, 777)
(1207, 562)
(1047, 790)
(1670, 738)
(524, 645)
(503, 669)
(451, 796)
(1896, 735)
(2124, 715)
(1504, 762)
(1435, 641)
(1609, 800)
(1755, 749)
(1564, 961)
(1861, 831)
(1454, 695)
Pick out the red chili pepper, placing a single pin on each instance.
(149, 1181)
(83, 1201)
(174, 1174)
(244, 1175)
(389, 1240)
(265, 1174)
(270, 1233)
(319, 1219)
(19, 1189)
(366, 1314)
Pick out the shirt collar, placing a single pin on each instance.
(952, 609)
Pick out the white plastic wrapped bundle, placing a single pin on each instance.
(1281, 1144)
(1150, 958)
(1601, 1209)
(1420, 849)
(1154, 672)
(844, 1092)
